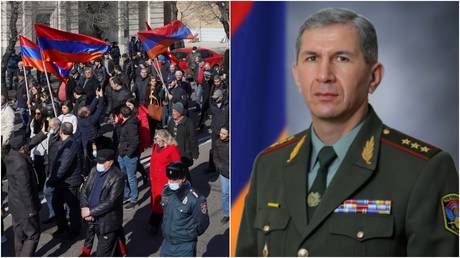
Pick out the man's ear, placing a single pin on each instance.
(376, 77)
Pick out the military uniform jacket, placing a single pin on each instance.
(185, 214)
(417, 182)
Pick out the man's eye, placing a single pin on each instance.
(310, 58)
(342, 59)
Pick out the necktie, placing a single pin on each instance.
(325, 157)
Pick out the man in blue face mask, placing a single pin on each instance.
(102, 206)
(185, 214)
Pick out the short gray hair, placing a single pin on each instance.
(329, 16)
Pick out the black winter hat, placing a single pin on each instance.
(176, 170)
(105, 155)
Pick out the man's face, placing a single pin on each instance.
(216, 82)
(178, 76)
(223, 134)
(144, 73)
(176, 115)
(332, 73)
(88, 73)
(172, 68)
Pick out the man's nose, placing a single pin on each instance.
(325, 72)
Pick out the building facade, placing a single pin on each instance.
(120, 19)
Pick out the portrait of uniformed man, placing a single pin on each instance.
(349, 185)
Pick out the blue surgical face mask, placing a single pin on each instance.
(95, 153)
(100, 168)
(174, 186)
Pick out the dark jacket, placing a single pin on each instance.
(23, 201)
(128, 137)
(140, 89)
(21, 94)
(220, 156)
(67, 164)
(88, 127)
(108, 213)
(80, 102)
(220, 117)
(185, 214)
(185, 86)
(100, 74)
(184, 133)
(89, 86)
(117, 99)
(179, 95)
(53, 147)
(70, 86)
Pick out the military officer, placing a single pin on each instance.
(185, 214)
(349, 185)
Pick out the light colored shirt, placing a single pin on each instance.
(340, 147)
(71, 118)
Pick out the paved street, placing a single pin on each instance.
(214, 242)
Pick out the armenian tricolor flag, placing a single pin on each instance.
(157, 41)
(258, 83)
(31, 57)
(57, 45)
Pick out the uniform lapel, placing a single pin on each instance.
(356, 168)
(296, 184)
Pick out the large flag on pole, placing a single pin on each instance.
(31, 57)
(158, 40)
(167, 53)
(258, 79)
(57, 45)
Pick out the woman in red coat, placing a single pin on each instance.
(164, 151)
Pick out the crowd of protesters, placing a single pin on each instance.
(79, 147)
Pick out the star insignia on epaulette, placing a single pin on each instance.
(405, 141)
(415, 145)
(424, 149)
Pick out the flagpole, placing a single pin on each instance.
(49, 88)
(27, 89)
(158, 70)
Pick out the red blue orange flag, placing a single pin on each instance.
(158, 40)
(31, 57)
(263, 121)
(167, 53)
(57, 45)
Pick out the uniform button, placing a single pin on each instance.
(302, 253)
(266, 228)
(360, 235)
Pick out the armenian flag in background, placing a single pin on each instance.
(157, 41)
(31, 57)
(57, 45)
(167, 53)
(258, 86)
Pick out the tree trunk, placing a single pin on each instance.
(224, 13)
(13, 37)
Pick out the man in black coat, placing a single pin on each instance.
(23, 200)
(128, 143)
(221, 159)
(181, 127)
(141, 86)
(128, 69)
(21, 99)
(66, 178)
(90, 84)
(117, 96)
(101, 202)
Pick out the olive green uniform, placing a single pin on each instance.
(418, 180)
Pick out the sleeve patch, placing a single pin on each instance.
(449, 205)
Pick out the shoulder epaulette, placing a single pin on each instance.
(194, 193)
(282, 143)
(408, 144)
